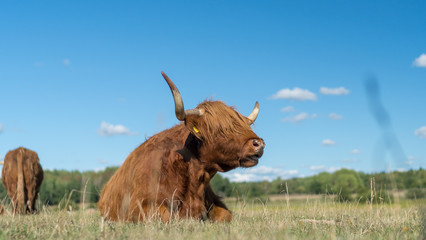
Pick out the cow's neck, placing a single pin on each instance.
(198, 175)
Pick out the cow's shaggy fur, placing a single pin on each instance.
(169, 173)
(22, 176)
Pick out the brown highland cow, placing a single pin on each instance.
(22, 176)
(169, 174)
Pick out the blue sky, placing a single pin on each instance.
(80, 81)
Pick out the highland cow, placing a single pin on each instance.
(22, 176)
(169, 174)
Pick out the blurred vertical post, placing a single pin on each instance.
(388, 139)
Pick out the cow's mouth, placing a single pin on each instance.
(250, 161)
(222, 167)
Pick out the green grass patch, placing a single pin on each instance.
(311, 218)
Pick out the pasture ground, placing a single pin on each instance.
(310, 218)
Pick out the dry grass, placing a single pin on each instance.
(306, 219)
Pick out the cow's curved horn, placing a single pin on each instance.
(253, 115)
(179, 108)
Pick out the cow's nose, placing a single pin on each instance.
(258, 146)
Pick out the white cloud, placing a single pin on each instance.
(295, 94)
(316, 168)
(333, 169)
(292, 172)
(421, 132)
(260, 173)
(420, 61)
(287, 109)
(241, 177)
(335, 116)
(355, 151)
(263, 170)
(324, 169)
(314, 115)
(334, 91)
(296, 119)
(100, 169)
(1, 127)
(102, 161)
(413, 158)
(67, 62)
(349, 160)
(409, 162)
(108, 129)
(328, 142)
(401, 170)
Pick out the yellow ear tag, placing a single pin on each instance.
(195, 129)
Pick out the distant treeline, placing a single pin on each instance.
(345, 184)
(60, 186)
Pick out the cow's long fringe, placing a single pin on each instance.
(215, 124)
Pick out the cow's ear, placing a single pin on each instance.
(193, 127)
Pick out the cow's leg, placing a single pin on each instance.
(219, 214)
(30, 198)
(14, 206)
(164, 213)
(14, 201)
(217, 210)
(2, 210)
(143, 211)
(194, 208)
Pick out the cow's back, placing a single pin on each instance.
(137, 184)
(131, 181)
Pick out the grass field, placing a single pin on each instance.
(310, 218)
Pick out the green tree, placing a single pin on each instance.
(346, 183)
(222, 186)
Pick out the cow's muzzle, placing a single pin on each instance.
(256, 148)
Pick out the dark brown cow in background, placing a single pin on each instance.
(22, 176)
(169, 173)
